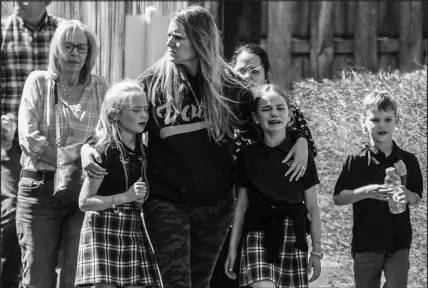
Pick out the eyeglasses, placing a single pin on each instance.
(81, 48)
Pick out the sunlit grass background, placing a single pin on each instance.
(333, 109)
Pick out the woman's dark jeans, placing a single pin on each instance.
(44, 223)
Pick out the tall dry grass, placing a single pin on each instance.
(333, 110)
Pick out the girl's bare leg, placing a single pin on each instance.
(264, 284)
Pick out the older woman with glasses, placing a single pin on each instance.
(68, 97)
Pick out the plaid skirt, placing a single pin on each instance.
(290, 271)
(115, 248)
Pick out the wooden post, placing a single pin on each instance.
(339, 18)
(313, 59)
(340, 23)
(410, 36)
(321, 39)
(242, 24)
(365, 36)
(214, 7)
(300, 46)
(351, 6)
(117, 54)
(279, 42)
(301, 19)
(388, 32)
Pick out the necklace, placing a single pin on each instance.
(77, 89)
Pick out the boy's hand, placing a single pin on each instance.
(402, 195)
(90, 157)
(378, 192)
(229, 264)
(315, 263)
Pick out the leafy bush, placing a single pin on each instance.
(333, 109)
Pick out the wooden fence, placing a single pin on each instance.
(320, 39)
(304, 39)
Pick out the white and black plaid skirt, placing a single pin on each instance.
(115, 248)
(290, 271)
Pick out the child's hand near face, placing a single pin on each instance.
(90, 163)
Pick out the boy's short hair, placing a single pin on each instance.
(380, 100)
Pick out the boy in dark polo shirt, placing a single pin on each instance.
(381, 240)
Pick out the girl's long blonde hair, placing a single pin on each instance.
(107, 130)
(169, 78)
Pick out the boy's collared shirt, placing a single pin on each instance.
(375, 227)
(22, 51)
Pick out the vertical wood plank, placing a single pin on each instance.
(314, 38)
(243, 24)
(76, 11)
(264, 25)
(213, 8)
(382, 27)
(410, 35)
(104, 43)
(339, 62)
(300, 20)
(279, 42)
(296, 69)
(365, 36)
(425, 21)
(388, 18)
(306, 66)
(425, 32)
(117, 26)
(325, 31)
(321, 54)
(350, 18)
(300, 30)
(339, 18)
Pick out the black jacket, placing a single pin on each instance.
(184, 165)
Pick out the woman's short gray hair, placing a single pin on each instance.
(57, 47)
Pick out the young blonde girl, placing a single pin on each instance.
(271, 211)
(115, 249)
